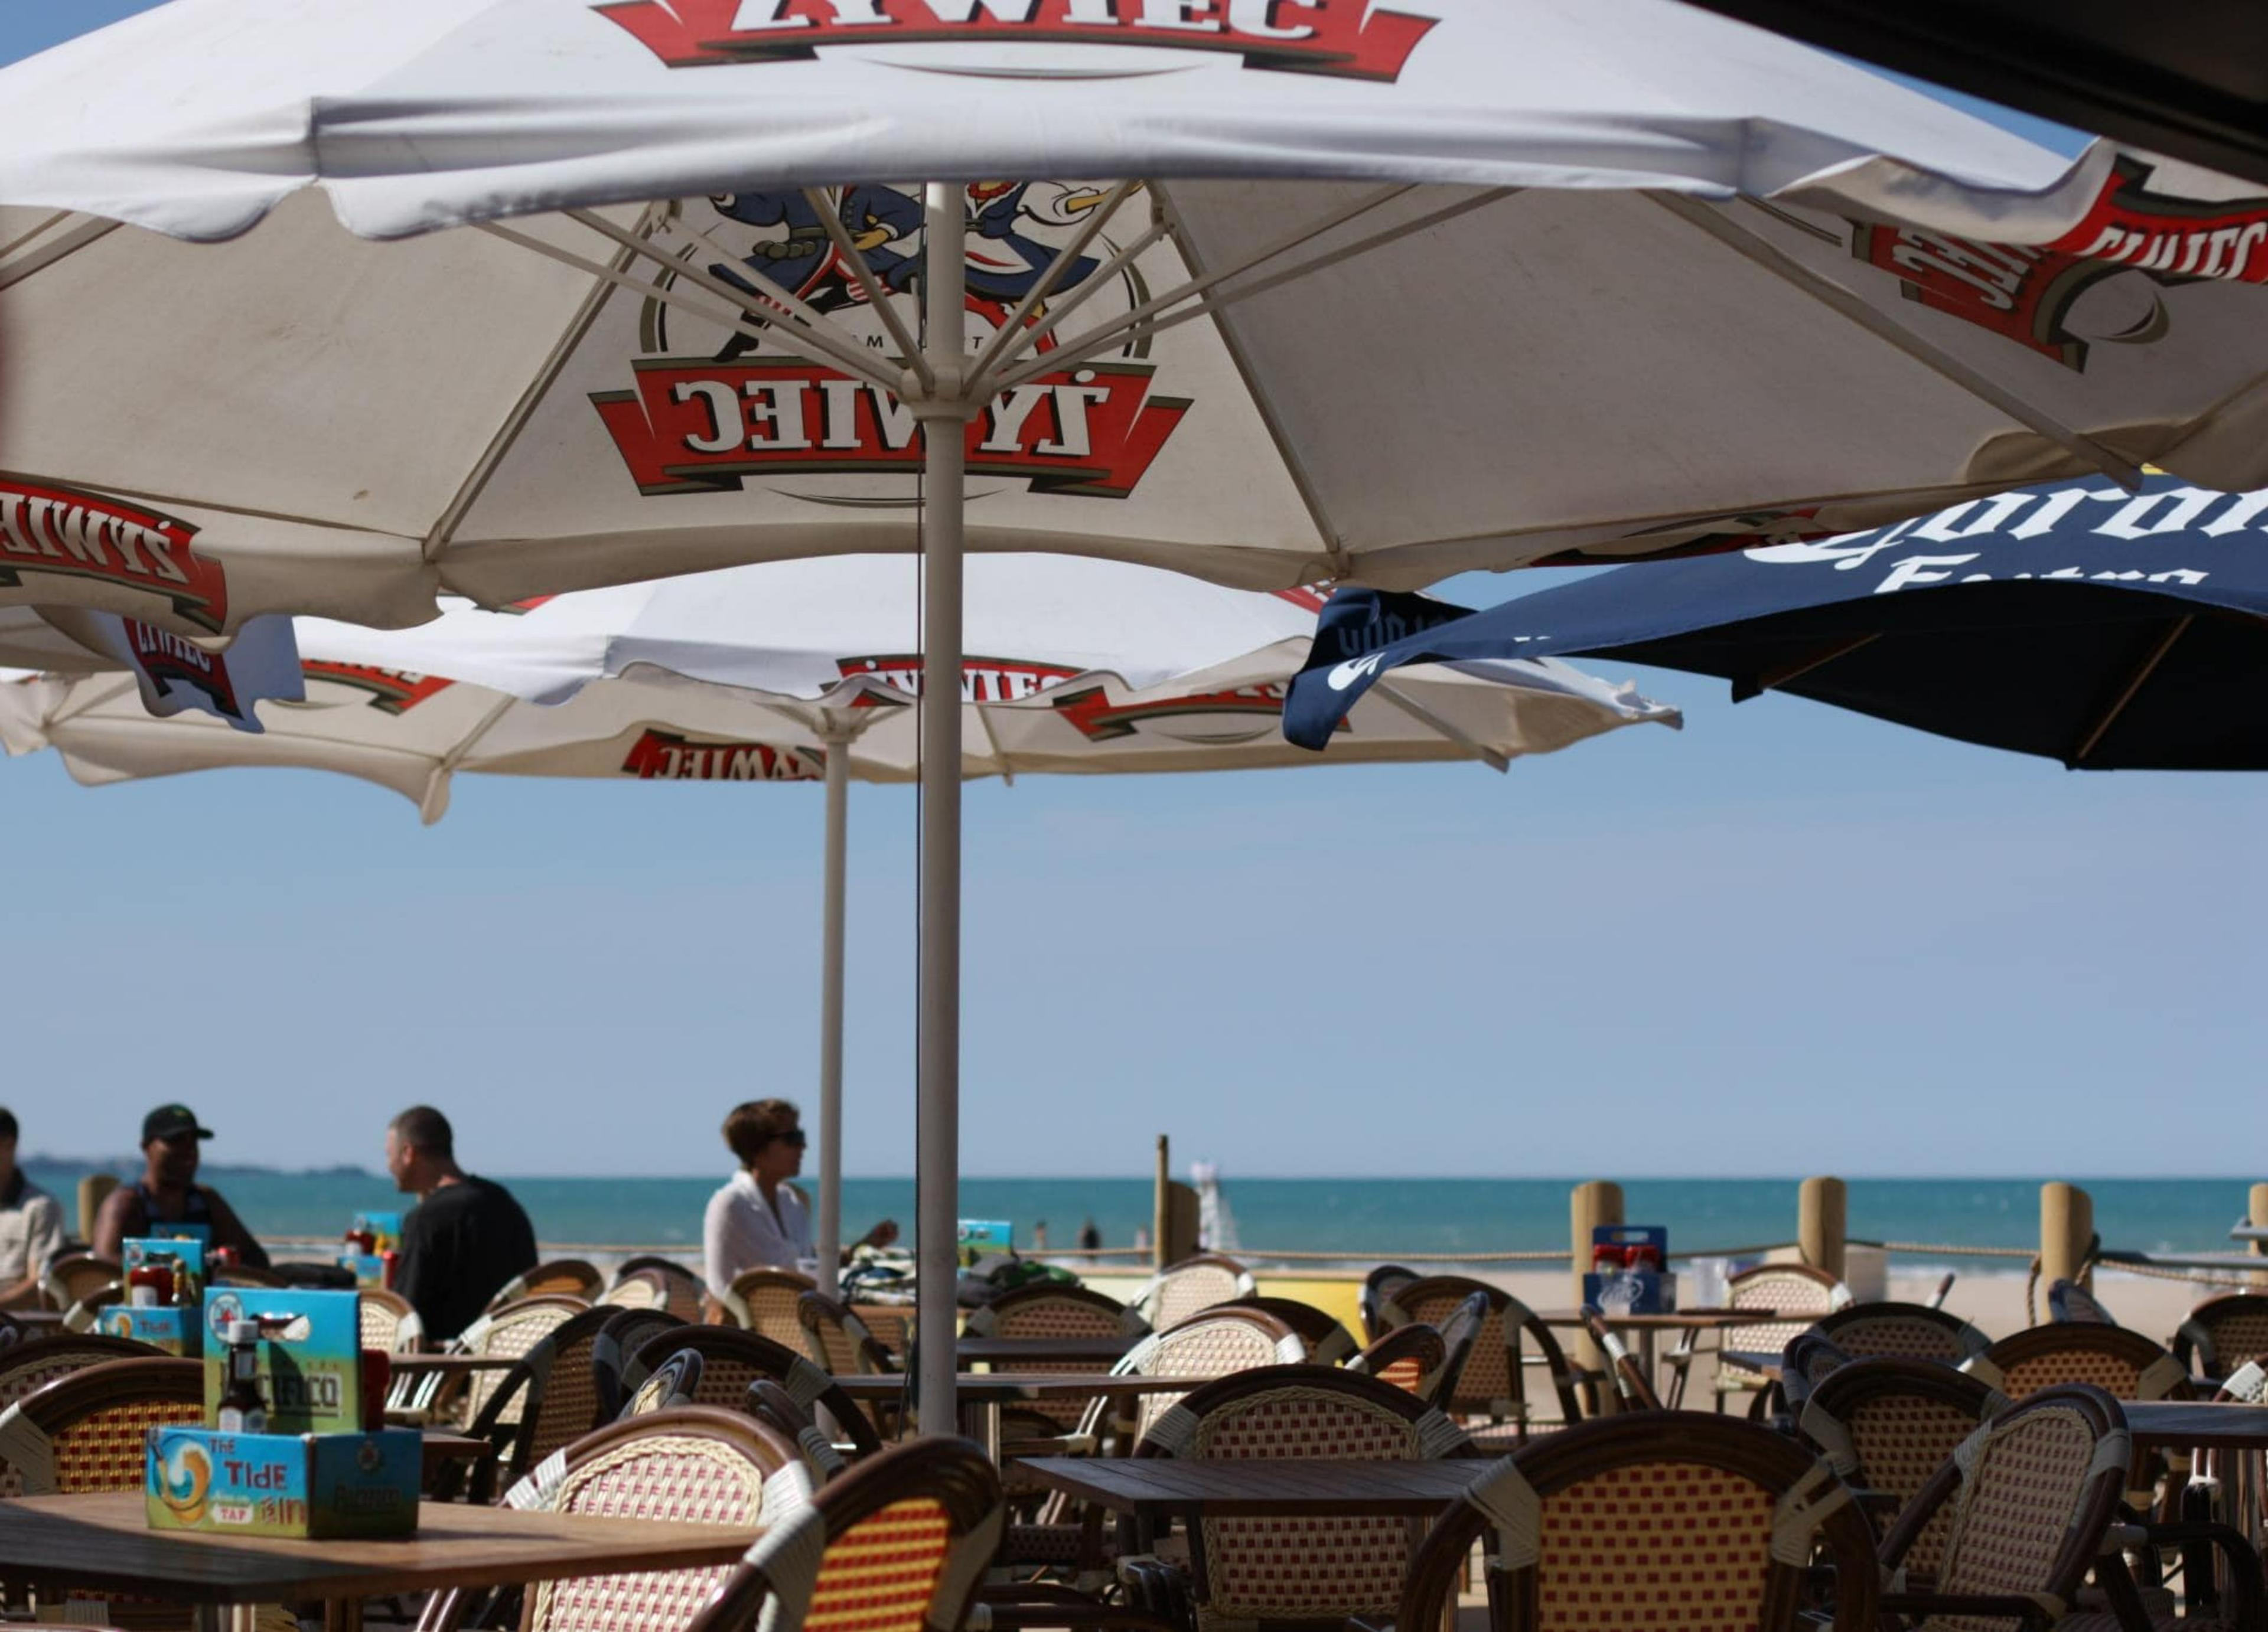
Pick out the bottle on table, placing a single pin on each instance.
(243, 1407)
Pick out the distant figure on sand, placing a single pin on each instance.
(1089, 1239)
(758, 1219)
(30, 1225)
(464, 1239)
(167, 1193)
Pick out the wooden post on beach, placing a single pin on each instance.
(1820, 1212)
(2256, 1214)
(93, 1191)
(1162, 1209)
(2066, 1232)
(1593, 1203)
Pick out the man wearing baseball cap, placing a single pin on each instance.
(167, 1193)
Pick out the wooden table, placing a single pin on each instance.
(2200, 1424)
(1649, 1327)
(1032, 1353)
(103, 1542)
(981, 1395)
(448, 1365)
(1157, 1487)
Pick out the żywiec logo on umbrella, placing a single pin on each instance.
(47, 528)
(1243, 714)
(389, 691)
(982, 679)
(670, 756)
(1346, 39)
(171, 662)
(713, 406)
(2058, 298)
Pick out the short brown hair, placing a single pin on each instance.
(422, 1128)
(755, 1123)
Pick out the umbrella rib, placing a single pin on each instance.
(2127, 693)
(1819, 658)
(1770, 258)
(1140, 322)
(1435, 722)
(69, 244)
(992, 382)
(546, 375)
(813, 327)
(830, 217)
(1007, 766)
(45, 222)
(1010, 332)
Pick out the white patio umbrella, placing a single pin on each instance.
(1412, 288)
(801, 671)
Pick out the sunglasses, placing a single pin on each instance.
(793, 1135)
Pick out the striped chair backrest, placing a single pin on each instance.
(83, 1433)
(31, 1366)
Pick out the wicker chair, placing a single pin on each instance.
(621, 1338)
(1809, 1360)
(2069, 1301)
(2032, 1495)
(74, 1276)
(731, 1359)
(896, 1545)
(389, 1323)
(692, 1466)
(1596, 1526)
(2221, 1333)
(545, 1401)
(1797, 1294)
(1181, 1289)
(1459, 1333)
(1311, 1570)
(1215, 1343)
(776, 1409)
(1493, 1382)
(1902, 1330)
(86, 1315)
(1409, 1357)
(1328, 1339)
(32, 1366)
(1049, 1311)
(839, 1341)
(509, 1333)
(1633, 1389)
(562, 1277)
(764, 1300)
(1888, 1425)
(668, 1386)
(681, 1289)
(1378, 1290)
(2124, 1365)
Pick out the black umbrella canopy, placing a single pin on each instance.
(2110, 630)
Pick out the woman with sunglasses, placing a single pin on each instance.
(758, 1220)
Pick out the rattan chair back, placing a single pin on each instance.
(681, 1290)
(1050, 1311)
(1409, 1357)
(509, 1333)
(548, 1399)
(561, 1277)
(777, 1408)
(692, 1466)
(1808, 1359)
(2222, 1332)
(1633, 1388)
(1214, 1343)
(1796, 1295)
(1328, 1339)
(1888, 1425)
(732, 1359)
(31, 1366)
(2031, 1494)
(82, 1432)
(2068, 1300)
(2124, 1365)
(764, 1300)
(1492, 1381)
(83, 1315)
(1273, 1569)
(1595, 1527)
(1182, 1289)
(838, 1339)
(389, 1323)
(667, 1387)
(74, 1276)
(1459, 1331)
(1378, 1290)
(619, 1339)
(1902, 1330)
(898, 1544)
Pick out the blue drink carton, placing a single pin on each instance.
(980, 1236)
(310, 1355)
(1628, 1275)
(313, 1486)
(383, 1229)
(177, 1330)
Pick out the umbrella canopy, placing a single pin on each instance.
(2110, 630)
(1095, 667)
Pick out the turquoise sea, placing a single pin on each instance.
(1365, 1218)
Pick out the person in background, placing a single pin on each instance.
(167, 1193)
(31, 1225)
(465, 1237)
(758, 1219)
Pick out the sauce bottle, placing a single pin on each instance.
(243, 1407)
(149, 1284)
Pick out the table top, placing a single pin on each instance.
(1761, 1360)
(406, 1365)
(1034, 1351)
(1293, 1487)
(1685, 1321)
(2198, 1423)
(104, 1541)
(992, 1387)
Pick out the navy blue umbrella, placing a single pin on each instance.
(2109, 630)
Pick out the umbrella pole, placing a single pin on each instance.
(831, 1014)
(937, 1164)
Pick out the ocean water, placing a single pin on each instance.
(1373, 1218)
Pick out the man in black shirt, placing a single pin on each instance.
(464, 1239)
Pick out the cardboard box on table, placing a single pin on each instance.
(1632, 1291)
(177, 1328)
(314, 1473)
(385, 1231)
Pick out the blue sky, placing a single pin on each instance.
(1788, 940)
